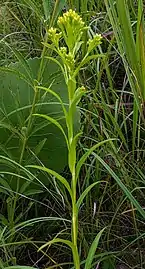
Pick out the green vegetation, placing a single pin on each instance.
(72, 134)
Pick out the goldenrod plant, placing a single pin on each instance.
(70, 33)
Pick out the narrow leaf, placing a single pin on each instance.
(53, 173)
(55, 122)
(122, 186)
(86, 155)
(72, 152)
(57, 96)
(86, 60)
(85, 192)
(57, 240)
(23, 61)
(92, 250)
(33, 6)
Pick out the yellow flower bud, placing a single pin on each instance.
(94, 42)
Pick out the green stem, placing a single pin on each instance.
(75, 223)
(74, 214)
(76, 258)
(71, 90)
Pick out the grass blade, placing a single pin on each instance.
(87, 154)
(122, 186)
(92, 250)
(85, 192)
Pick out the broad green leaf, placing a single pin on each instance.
(16, 97)
(23, 62)
(92, 250)
(57, 62)
(10, 163)
(10, 70)
(57, 96)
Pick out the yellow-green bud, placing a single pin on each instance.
(94, 42)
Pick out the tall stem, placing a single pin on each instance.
(74, 214)
(75, 223)
(71, 112)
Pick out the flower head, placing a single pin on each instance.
(54, 36)
(63, 51)
(94, 42)
(68, 58)
(71, 17)
(72, 27)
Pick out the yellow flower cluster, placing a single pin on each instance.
(63, 50)
(67, 57)
(54, 36)
(71, 17)
(52, 31)
(72, 27)
(94, 42)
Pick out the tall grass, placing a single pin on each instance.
(130, 40)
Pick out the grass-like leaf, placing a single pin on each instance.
(53, 173)
(122, 186)
(92, 250)
(87, 154)
(85, 192)
(53, 121)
